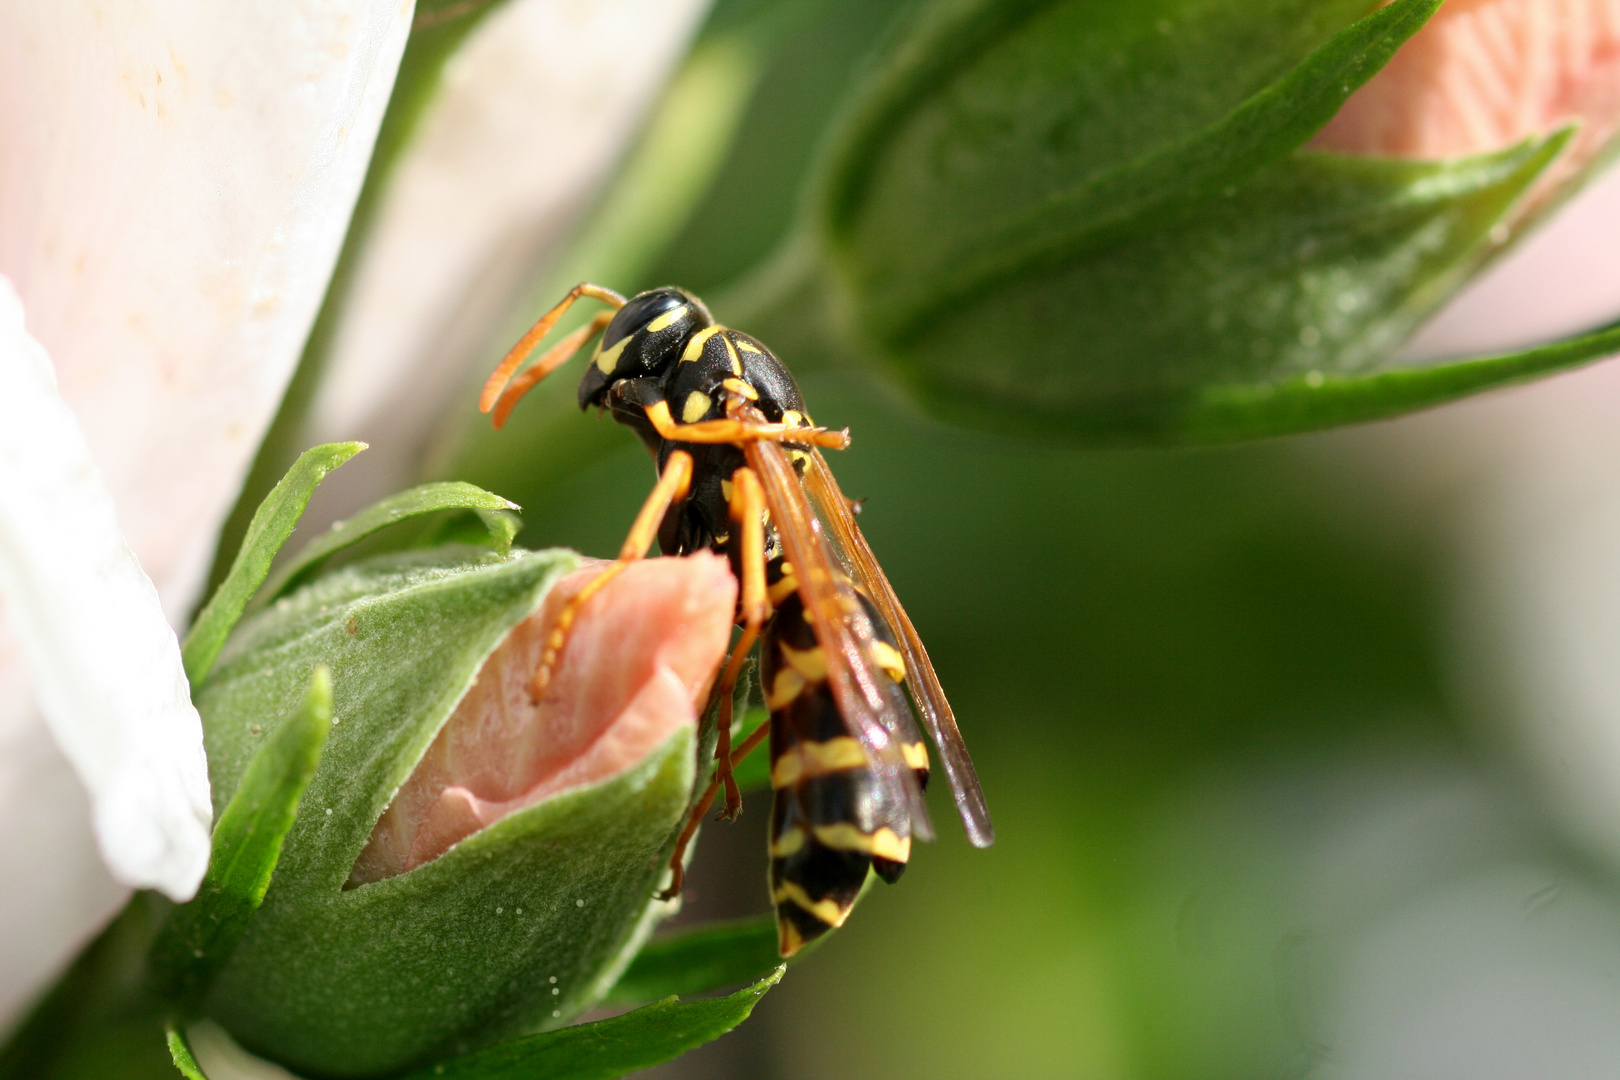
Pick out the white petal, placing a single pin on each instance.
(175, 180)
(535, 109)
(104, 663)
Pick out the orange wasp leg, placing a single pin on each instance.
(554, 358)
(672, 486)
(747, 511)
(676, 868)
(739, 431)
(511, 361)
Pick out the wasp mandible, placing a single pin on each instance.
(740, 472)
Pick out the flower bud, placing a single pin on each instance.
(467, 862)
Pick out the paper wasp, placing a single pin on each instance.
(740, 471)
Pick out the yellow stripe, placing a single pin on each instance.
(731, 351)
(748, 347)
(816, 759)
(608, 359)
(883, 844)
(789, 940)
(694, 348)
(916, 755)
(828, 911)
(888, 658)
(787, 685)
(811, 663)
(697, 405)
(666, 320)
(788, 843)
(785, 586)
(737, 386)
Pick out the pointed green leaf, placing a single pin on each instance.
(425, 499)
(1007, 140)
(1314, 270)
(272, 523)
(700, 960)
(181, 1049)
(608, 1048)
(201, 935)
(1307, 404)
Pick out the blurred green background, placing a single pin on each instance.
(1242, 831)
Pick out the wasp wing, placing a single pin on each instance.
(851, 549)
(840, 622)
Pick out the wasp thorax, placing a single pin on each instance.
(645, 337)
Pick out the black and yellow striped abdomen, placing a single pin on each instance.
(834, 816)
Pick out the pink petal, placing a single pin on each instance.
(642, 653)
(1484, 74)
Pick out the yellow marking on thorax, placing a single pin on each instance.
(916, 755)
(788, 843)
(792, 418)
(811, 663)
(694, 348)
(666, 320)
(725, 489)
(817, 759)
(883, 844)
(787, 685)
(731, 351)
(737, 386)
(748, 346)
(608, 359)
(696, 407)
(888, 658)
(828, 911)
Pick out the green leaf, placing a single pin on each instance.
(425, 499)
(753, 773)
(1304, 404)
(989, 157)
(699, 960)
(201, 935)
(183, 1058)
(460, 951)
(1313, 271)
(608, 1048)
(272, 523)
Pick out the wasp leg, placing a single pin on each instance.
(509, 363)
(739, 431)
(672, 486)
(554, 358)
(677, 868)
(747, 511)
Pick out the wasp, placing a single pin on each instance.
(741, 472)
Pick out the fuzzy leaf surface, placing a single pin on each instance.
(272, 523)
(247, 841)
(609, 1048)
(459, 951)
(418, 501)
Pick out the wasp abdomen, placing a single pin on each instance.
(834, 816)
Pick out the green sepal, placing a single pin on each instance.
(921, 243)
(700, 960)
(458, 952)
(608, 1048)
(201, 935)
(1312, 272)
(420, 500)
(180, 1048)
(272, 523)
